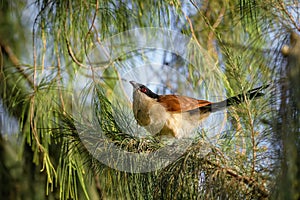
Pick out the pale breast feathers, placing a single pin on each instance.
(177, 104)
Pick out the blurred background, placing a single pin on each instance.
(52, 52)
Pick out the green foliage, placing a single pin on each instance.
(191, 176)
(39, 67)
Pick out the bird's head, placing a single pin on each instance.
(143, 89)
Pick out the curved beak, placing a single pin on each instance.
(135, 84)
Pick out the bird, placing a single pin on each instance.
(176, 116)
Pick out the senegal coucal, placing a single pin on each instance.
(174, 115)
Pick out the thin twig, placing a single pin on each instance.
(245, 179)
(289, 15)
(214, 26)
(15, 61)
(254, 149)
(192, 30)
(71, 53)
(59, 79)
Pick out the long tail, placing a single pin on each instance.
(251, 94)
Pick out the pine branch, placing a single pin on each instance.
(15, 61)
(243, 178)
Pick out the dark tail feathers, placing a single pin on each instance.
(251, 94)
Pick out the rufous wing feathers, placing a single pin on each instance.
(177, 104)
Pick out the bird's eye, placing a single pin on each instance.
(144, 90)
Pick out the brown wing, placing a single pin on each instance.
(176, 104)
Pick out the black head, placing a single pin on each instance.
(142, 88)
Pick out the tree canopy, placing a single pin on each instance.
(66, 125)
